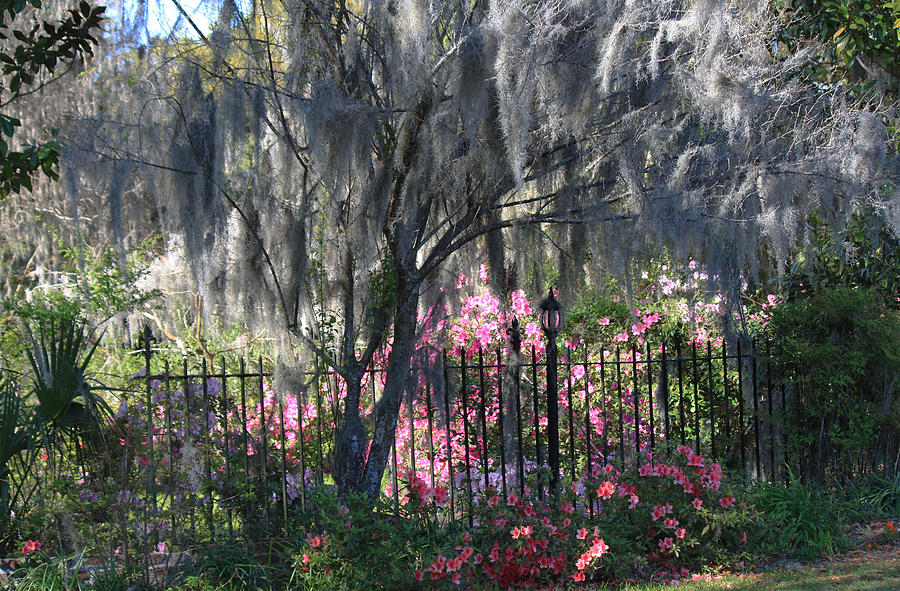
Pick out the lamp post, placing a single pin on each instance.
(551, 322)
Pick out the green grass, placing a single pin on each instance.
(847, 575)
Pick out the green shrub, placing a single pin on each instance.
(225, 568)
(840, 348)
(17, 453)
(798, 518)
(872, 496)
(346, 544)
(40, 573)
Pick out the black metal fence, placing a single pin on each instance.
(220, 452)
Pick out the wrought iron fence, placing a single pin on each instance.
(469, 421)
(208, 453)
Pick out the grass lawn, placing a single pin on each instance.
(876, 569)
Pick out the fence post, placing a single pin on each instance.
(169, 440)
(301, 407)
(515, 342)
(740, 396)
(753, 352)
(465, 417)
(147, 342)
(664, 367)
(551, 322)
(552, 413)
(482, 412)
(229, 489)
(569, 393)
(619, 390)
(636, 399)
(587, 429)
(603, 408)
(712, 400)
(727, 404)
(650, 403)
(500, 374)
(538, 450)
(695, 376)
(769, 395)
(449, 434)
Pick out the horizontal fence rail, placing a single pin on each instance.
(215, 452)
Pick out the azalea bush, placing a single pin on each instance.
(661, 521)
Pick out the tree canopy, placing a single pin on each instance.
(323, 167)
(32, 52)
(860, 39)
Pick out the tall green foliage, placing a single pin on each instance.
(861, 37)
(69, 401)
(841, 348)
(17, 452)
(863, 255)
(838, 335)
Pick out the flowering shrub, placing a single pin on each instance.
(661, 520)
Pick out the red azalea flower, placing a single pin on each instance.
(606, 490)
(31, 546)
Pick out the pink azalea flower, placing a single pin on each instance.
(599, 548)
(666, 544)
(658, 512)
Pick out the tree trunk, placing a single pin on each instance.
(350, 444)
(387, 409)
(511, 383)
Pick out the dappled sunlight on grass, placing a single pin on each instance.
(860, 570)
